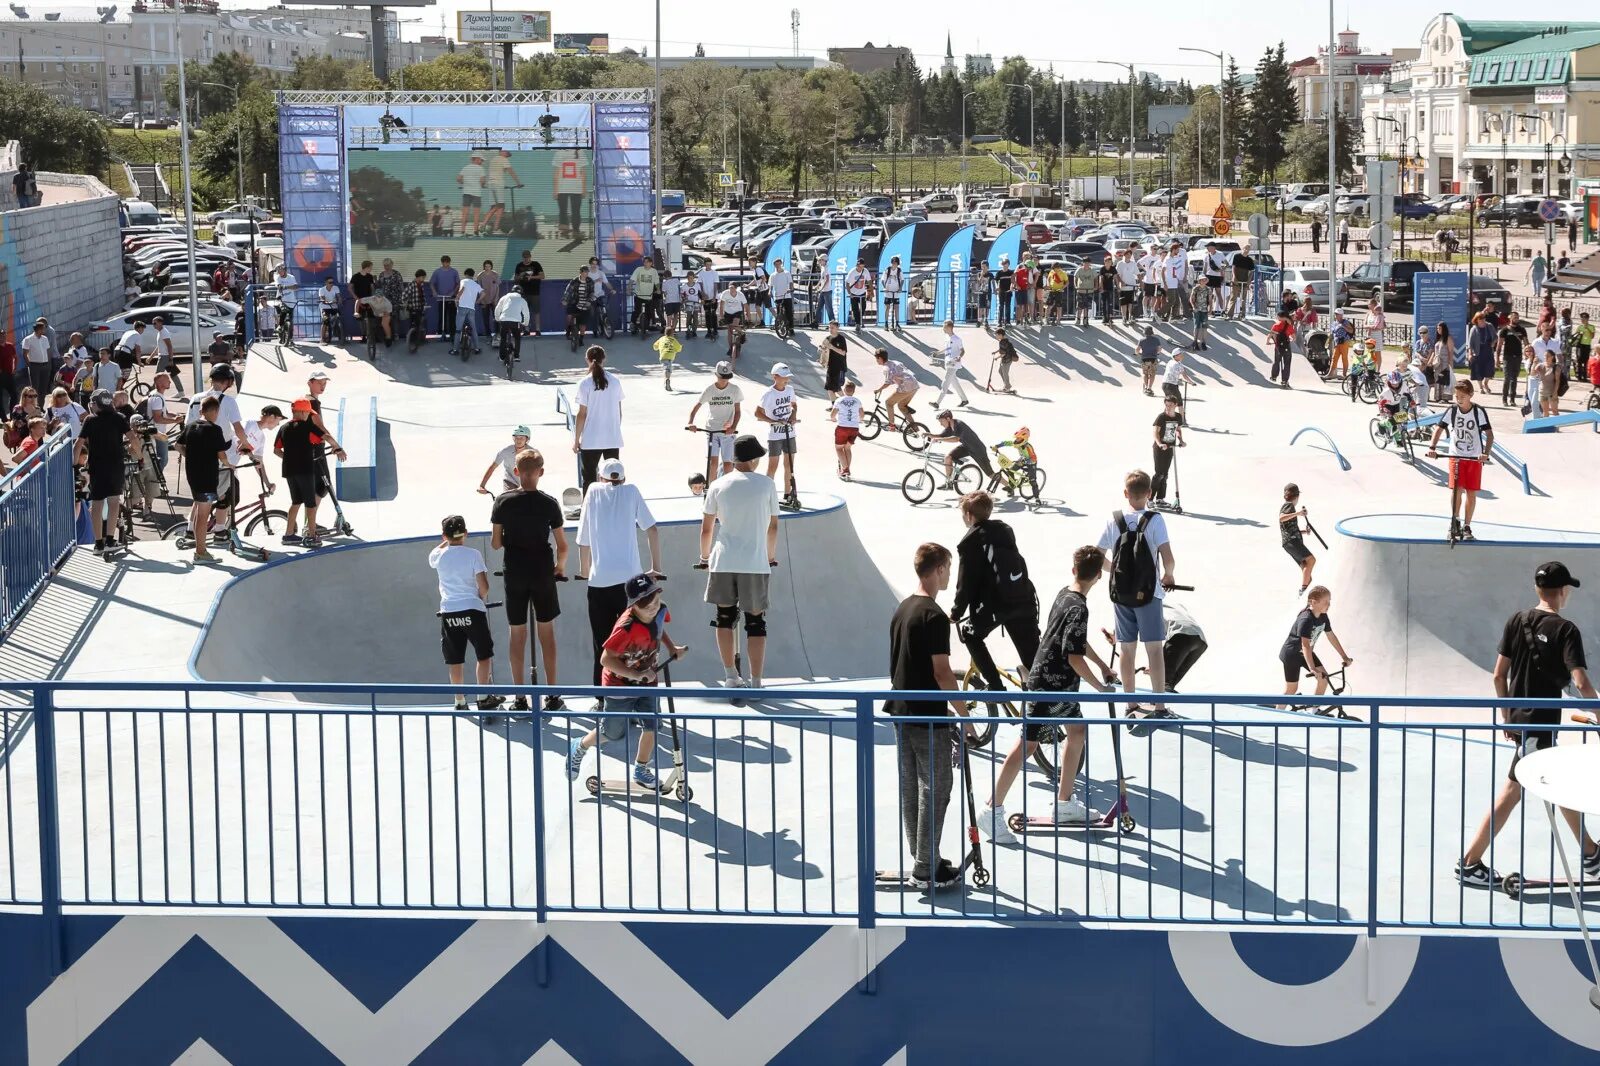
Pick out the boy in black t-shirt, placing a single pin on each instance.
(919, 660)
(296, 446)
(1167, 434)
(1064, 659)
(203, 439)
(1540, 653)
(1289, 516)
(1298, 653)
(525, 521)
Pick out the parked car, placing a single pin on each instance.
(816, 203)
(215, 306)
(1394, 281)
(1300, 201)
(937, 201)
(1512, 212)
(872, 205)
(1304, 281)
(995, 215)
(1163, 197)
(176, 317)
(235, 234)
(1037, 233)
(250, 211)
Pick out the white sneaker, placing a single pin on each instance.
(992, 824)
(1071, 811)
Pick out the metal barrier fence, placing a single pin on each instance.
(37, 525)
(150, 795)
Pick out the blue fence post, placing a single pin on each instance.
(44, 739)
(1372, 824)
(866, 846)
(541, 900)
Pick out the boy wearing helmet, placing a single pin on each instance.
(1396, 395)
(1025, 455)
(628, 661)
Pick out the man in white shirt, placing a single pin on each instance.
(892, 284)
(231, 422)
(131, 346)
(161, 343)
(741, 514)
(709, 280)
(857, 284)
(953, 351)
(467, 296)
(1142, 623)
(471, 181)
(105, 374)
(608, 550)
(255, 435)
(1127, 283)
(1149, 265)
(463, 614)
(731, 305)
(1175, 279)
(157, 411)
(782, 288)
(36, 353)
(779, 410)
(511, 312)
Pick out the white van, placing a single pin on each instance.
(140, 213)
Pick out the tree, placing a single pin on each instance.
(331, 75)
(453, 70)
(1071, 109)
(1194, 140)
(232, 69)
(53, 135)
(1307, 154)
(690, 97)
(1273, 113)
(1233, 113)
(816, 115)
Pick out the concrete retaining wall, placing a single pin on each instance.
(60, 260)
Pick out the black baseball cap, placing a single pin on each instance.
(454, 526)
(1554, 575)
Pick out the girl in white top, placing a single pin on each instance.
(597, 430)
(891, 284)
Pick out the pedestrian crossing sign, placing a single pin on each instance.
(725, 180)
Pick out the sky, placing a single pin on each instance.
(1069, 35)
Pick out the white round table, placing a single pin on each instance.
(1567, 776)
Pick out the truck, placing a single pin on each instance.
(1093, 191)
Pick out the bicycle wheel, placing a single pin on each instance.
(1030, 488)
(606, 327)
(918, 485)
(1378, 430)
(915, 434)
(968, 478)
(983, 732)
(174, 531)
(269, 521)
(1368, 390)
(139, 390)
(871, 426)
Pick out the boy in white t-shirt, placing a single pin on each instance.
(780, 412)
(847, 427)
(463, 614)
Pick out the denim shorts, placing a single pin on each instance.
(1146, 624)
(614, 727)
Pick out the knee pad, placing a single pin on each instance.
(755, 625)
(725, 617)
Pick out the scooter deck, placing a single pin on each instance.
(678, 790)
(891, 879)
(1514, 884)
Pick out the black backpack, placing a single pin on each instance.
(1012, 594)
(1133, 564)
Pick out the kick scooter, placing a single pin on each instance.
(676, 783)
(1118, 819)
(974, 857)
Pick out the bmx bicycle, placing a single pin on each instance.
(261, 518)
(1395, 429)
(914, 433)
(466, 339)
(333, 326)
(918, 485)
(1363, 382)
(510, 337)
(1016, 477)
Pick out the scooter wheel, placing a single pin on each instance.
(1512, 885)
(683, 792)
(593, 785)
(980, 877)
(1127, 822)
(1017, 822)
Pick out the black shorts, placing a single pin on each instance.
(1293, 668)
(1149, 289)
(302, 489)
(202, 478)
(1125, 296)
(524, 591)
(1048, 732)
(106, 482)
(836, 376)
(1530, 741)
(1298, 552)
(1213, 281)
(457, 629)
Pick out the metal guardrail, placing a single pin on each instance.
(151, 795)
(37, 524)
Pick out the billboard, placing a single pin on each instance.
(583, 44)
(503, 27)
(473, 205)
(1441, 296)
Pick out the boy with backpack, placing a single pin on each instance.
(1469, 437)
(992, 589)
(1131, 542)
(1064, 660)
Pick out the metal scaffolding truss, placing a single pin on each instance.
(404, 98)
(480, 136)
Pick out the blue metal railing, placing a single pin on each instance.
(146, 795)
(37, 526)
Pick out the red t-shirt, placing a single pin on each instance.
(27, 447)
(8, 357)
(635, 643)
(1022, 278)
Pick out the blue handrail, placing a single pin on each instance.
(1344, 464)
(1511, 462)
(38, 525)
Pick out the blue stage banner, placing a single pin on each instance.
(1006, 247)
(1441, 296)
(782, 250)
(955, 267)
(311, 174)
(842, 256)
(624, 195)
(897, 245)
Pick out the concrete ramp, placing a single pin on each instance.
(1436, 611)
(365, 613)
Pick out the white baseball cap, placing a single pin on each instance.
(611, 470)
(782, 371)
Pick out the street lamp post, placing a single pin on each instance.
(1132, 138)
(1501, 122)
(965, 97)
(1032, 140)
(1164, 131)
(1551, 186)
(1222, 129)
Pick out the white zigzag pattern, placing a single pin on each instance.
(133, 950)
